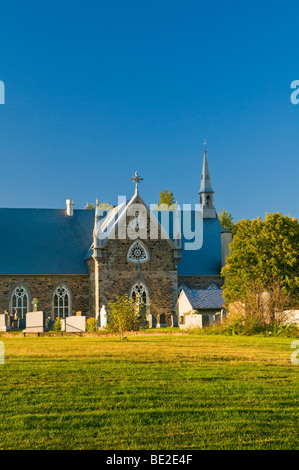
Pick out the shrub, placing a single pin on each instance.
(91, 325)
(286, 331)
(240, 324)
(57, 325)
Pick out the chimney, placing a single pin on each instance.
(226, 239)
(70, 207)
(177, 232)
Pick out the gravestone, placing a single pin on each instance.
(162, 321)
(149, 319)
(35, 322)
(4, 326)
(74, 324)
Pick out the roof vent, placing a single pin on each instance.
(70, 207)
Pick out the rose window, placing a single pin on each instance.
(137, 253)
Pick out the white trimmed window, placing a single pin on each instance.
(61, 302)
(20, 301)
(137, 253)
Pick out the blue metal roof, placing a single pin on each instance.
(205, 260)
(48, 241)
(205, 298)
(44, 241)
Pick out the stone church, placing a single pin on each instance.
(77, 260)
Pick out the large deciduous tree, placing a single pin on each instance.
(260, 252)
(226, 220)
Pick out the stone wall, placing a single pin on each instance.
(117, 274)
(42, 286)
(91, 282)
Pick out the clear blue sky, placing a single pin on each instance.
(98, 89)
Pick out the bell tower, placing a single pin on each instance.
(206, 193)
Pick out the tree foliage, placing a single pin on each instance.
(226, 220)
(125, 314)
(167, 201)
(260, 252)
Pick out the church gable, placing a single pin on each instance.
(129, 220)
(134, 256)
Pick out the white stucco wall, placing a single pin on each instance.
(193, 319)
(182, 306)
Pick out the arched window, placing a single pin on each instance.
(19, 301)
(61, 302)
(140, 290)
(137, 252)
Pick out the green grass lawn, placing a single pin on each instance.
(156, 392)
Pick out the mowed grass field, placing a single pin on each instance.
(155, 391)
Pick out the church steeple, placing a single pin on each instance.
(206, 191)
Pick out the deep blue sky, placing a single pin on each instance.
(98, 89)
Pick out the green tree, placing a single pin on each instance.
(125, 314)
(167, 201)
(260, 252)
(226, 220)
(166, 197)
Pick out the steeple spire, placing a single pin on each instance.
(206, 190)
(205, 185)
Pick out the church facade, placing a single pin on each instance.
(74, 260)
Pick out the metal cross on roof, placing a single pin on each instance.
(136, 179)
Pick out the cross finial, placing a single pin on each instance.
(136, 179)
(205, 145)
